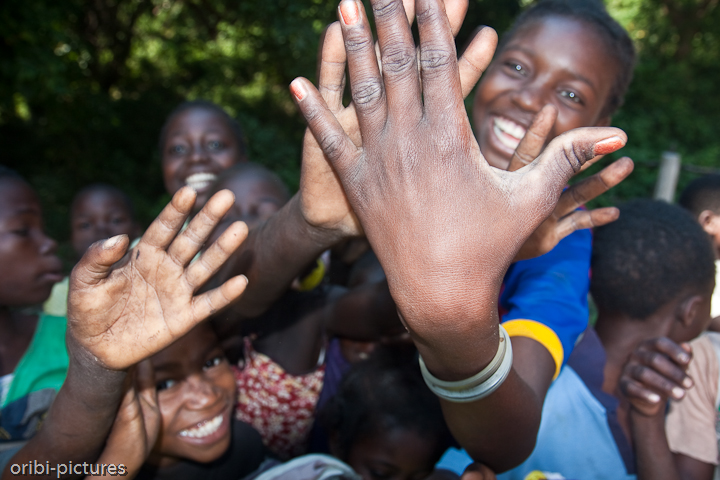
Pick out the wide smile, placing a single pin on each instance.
(200, 181)
(507, 133)
(207, 432)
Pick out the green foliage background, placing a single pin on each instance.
(85, 85)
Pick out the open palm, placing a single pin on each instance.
(124, 315)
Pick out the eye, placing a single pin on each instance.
(571, 96)
(118, 220)
(214, 362)
(516, 68)
(178, 150)
(164, 384)
(21, 232)
(215, 145)
(379, 475)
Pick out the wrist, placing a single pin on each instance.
(85, 369)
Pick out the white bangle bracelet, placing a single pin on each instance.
(479, 385)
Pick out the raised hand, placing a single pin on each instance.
(322, 198)
(123, 316)
(565, 218)
(444, 224)
(654, 373)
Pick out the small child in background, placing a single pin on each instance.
(97, 212)
(653, 275)
(384, 422)
(702, 198)
(100, 211)
(33, 358)
(197, 142)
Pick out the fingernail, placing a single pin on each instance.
(684, 357)
(297, 89)
(687, 383)
(349, 12)
(678, 392)
(246, 279)
(653, 397)
(111, 242)
(608, 145)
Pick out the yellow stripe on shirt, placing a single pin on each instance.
(540, 333)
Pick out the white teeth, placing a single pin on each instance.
(201, 431)
(508, 132)
(198, 181)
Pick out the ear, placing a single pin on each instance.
(690, 310)
(710, 222)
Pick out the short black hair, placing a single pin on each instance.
(234, 125)
(105, 187)
(384, 393)
(653, 253)
(702, 194)
(593, 13)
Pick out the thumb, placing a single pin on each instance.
(567, 153)
(97, 262)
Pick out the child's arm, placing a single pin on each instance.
(444, 224)
(136, 426)
(656, 372)
(120, 317)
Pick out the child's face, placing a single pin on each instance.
(29, 265)
(256, 198)
(198, 146)
(396, 454)
(97, 215)
(556, 60)
(196, 396)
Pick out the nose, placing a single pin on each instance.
(48, 246)
(199, 153)
(531, 97)
(201, 392)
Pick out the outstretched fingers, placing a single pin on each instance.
(331, 67)
(398, 57)
(213, 301)
(366, 83)
(166, 226)
(594, 186)
(442, 92)
(326, 129)
(213, 258)
(191, 240)
(477, 56)
(567, 153)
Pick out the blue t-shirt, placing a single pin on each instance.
(580, 436)
(545, 298)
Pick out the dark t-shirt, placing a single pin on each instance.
(244, 456)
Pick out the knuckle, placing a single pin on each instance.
(399, 61)
(332, 145)
(432, 59)
(387, 8)
(357, 42)
(367, 92)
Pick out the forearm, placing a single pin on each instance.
(273, 255)
(365, 313)
(79, 419)
(654, 459)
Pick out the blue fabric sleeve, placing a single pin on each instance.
(454, 460)
(552, 289)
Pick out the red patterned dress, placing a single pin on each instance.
(280, 406)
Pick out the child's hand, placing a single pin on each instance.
(654, 373)
(444, 224)
(137, 423)
(124, 316)
(322, 197)
(566, 219)
(478, 471)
